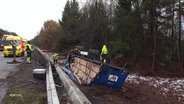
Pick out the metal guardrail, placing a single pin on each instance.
(51, 89)
(52, 97)
(76, 96)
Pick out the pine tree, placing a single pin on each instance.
(69, 22)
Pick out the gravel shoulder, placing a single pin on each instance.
(23, 88)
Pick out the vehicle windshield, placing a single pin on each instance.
(8, 42)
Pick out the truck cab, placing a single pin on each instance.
(8, 49)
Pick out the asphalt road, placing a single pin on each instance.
(6, 69)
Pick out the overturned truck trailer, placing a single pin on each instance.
(89, 72)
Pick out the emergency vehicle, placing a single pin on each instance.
(8, 49)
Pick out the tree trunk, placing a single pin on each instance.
(153, 32)
(154, 47)
(172, 35)
(179, 38)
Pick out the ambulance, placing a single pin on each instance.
(8, 49)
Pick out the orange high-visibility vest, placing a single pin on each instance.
(22, 46)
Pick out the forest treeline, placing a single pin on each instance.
(147, 31)
(3, 32)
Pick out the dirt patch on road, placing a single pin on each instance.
(23, 88)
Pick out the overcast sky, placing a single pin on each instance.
(26, 17)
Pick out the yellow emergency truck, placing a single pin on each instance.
(8, 50)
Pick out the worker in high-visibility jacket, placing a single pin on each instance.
(104, 53)
(22, 48)
(29, 50)
(55, 57)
